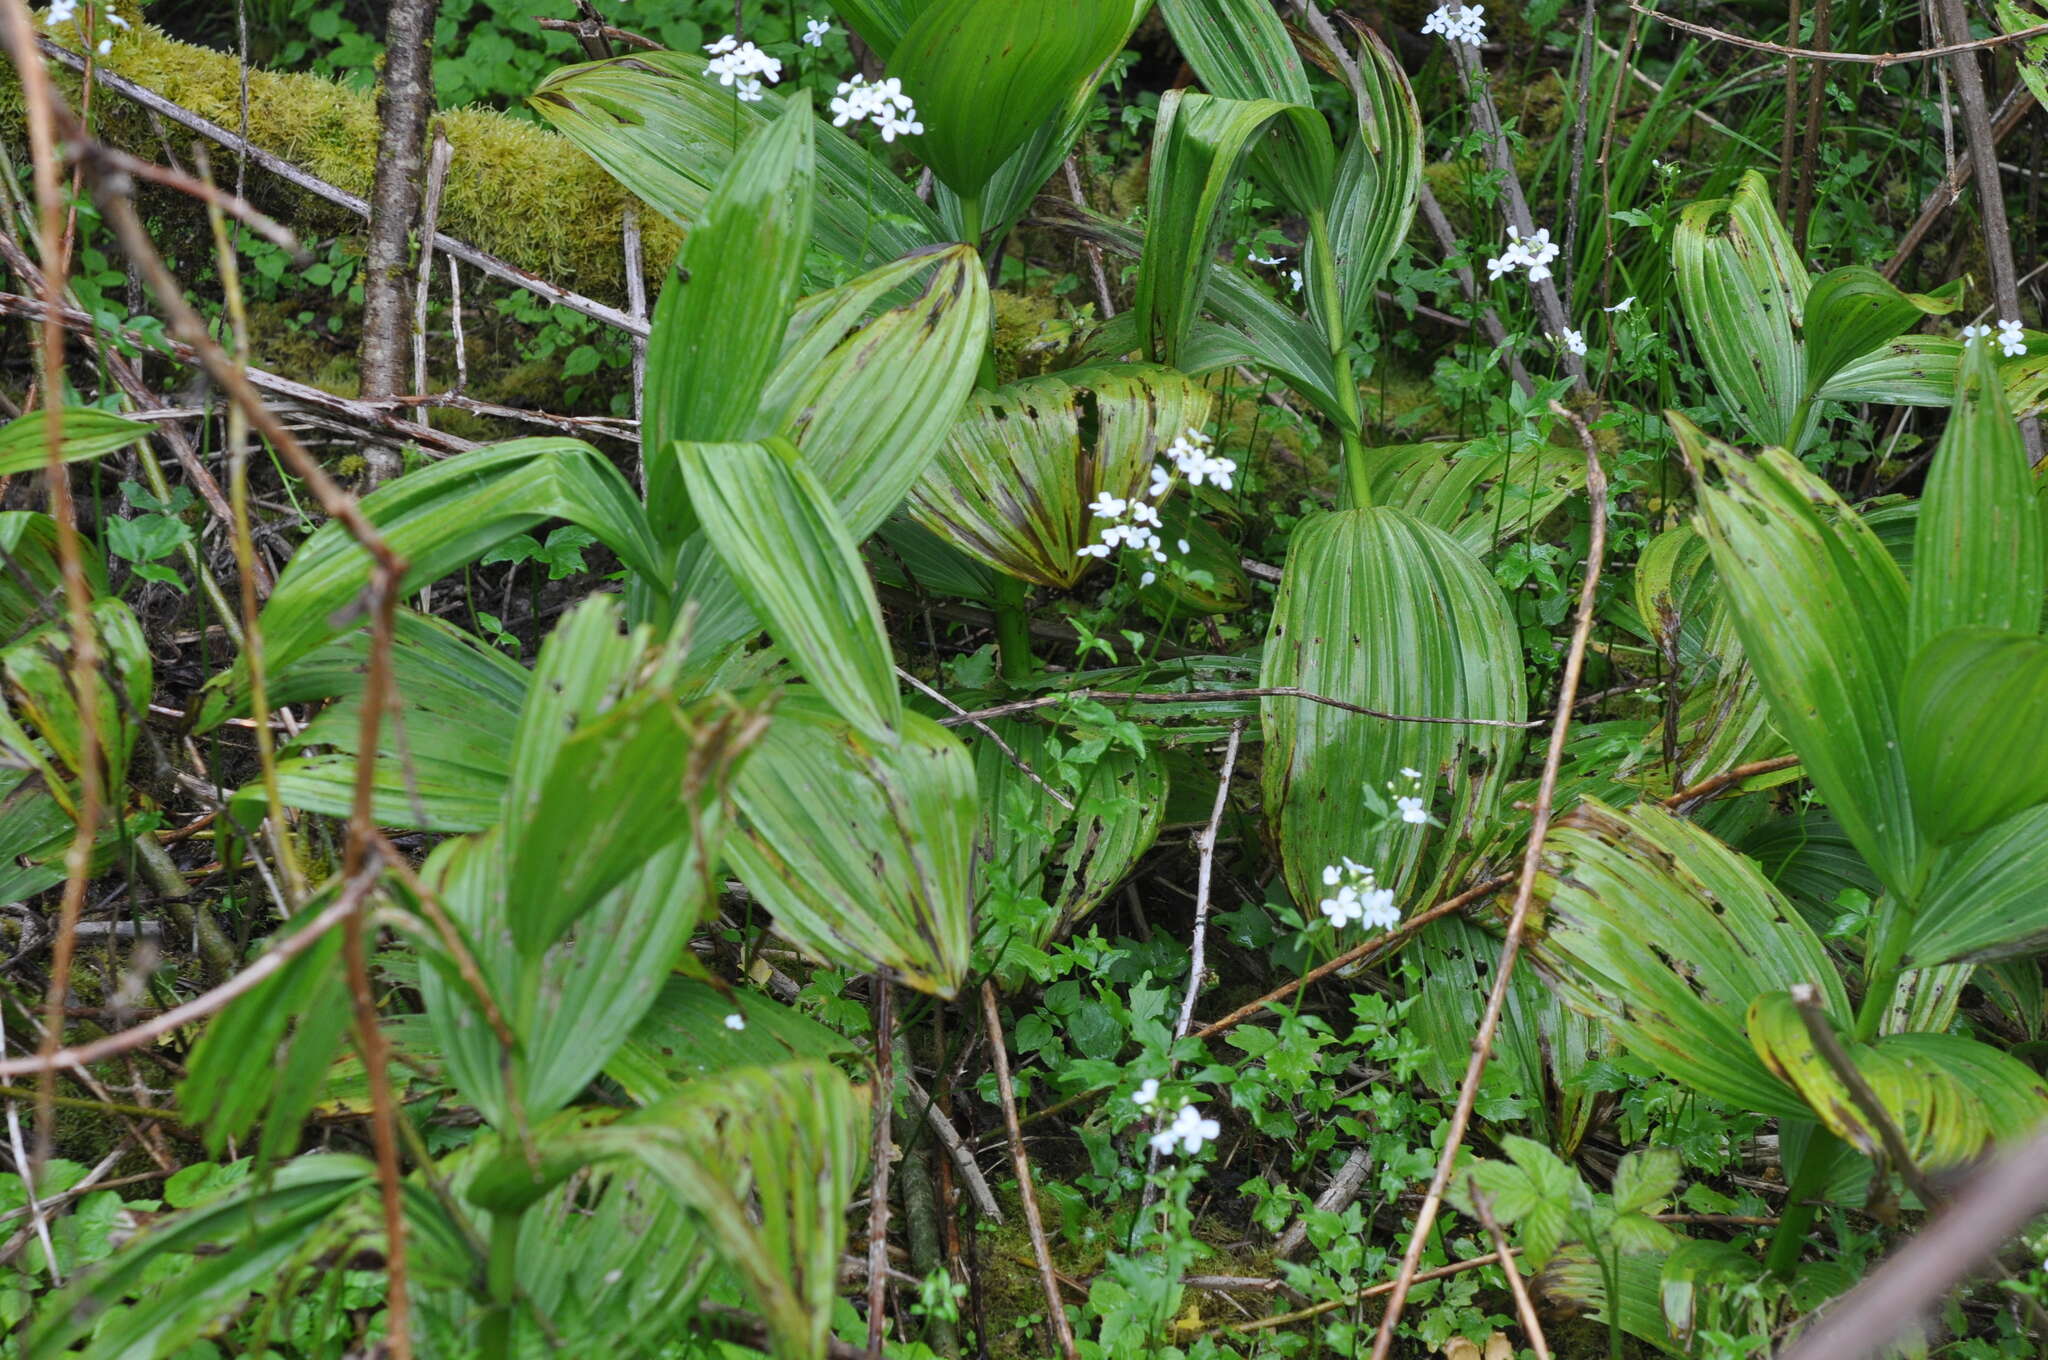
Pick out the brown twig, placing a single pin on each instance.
(1205, 852)
(961, 715)
(1385, 1287)
(1090, 247)
(1690, 797)
(1878, 59)
(2012, 111)
(1525, 1308)
(1823, 12)
(956, 1148)
(878, 1189)
(1056, 1313)
(1215, 696)
(1518, 917)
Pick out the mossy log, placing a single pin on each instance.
(514, 189)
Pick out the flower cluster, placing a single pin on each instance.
(1189, 1130)
(884, 104)
(64, 11)
(1359, 898)
(1575, 341)
(742, 66)
(815, 32)
(1457, 23)
(1134, 523)
(1533, 253)
(2012, 343)
(735, 1021)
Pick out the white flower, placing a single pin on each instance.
(1147, 579)
(1536, 251)
(1162, 481)
(884, 104)
(1378, 909)
(1142, 513)
(1146, 1094)
(739, 65)
(1094, 550)
(1622, 305)
(1976, 332)
(815, 32)
(1106, 506)
(1575, 341)
(749, 91)
(1294, 280)
(735, 1021)
(1359, 899)
(61, 12)
(1457, 23)
(1410, 774)
(1271, 262)
(1189, 1130)
(1330, 875)
(2010, 340)
(1413, 811)
(1182, 544)
(722, 46)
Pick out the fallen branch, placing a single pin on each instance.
(1877, 59)
(1217, 696)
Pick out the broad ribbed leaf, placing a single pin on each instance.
(800, 571)
(1744, 291)
(1070, 859)
(43, 727)
(1238, 48)
(1988, 895)
(768, 1157)
(1378, 609)
(880, 23)
(1821, 609)
(1949, 1097)
(1913, 370)
(1979, 555)
(1484, 493)
(85, 432)
(216, 1254)
(869, 404)
(1975, 724)
(1198, 150)
(1852, 310)
(718, 326)
(1665, 935)
(688, 1035)
(1807, 858)
(32, 588)
(668, 132)
(860, 851)
(440, 519)
(1013, 484)
(1379, 176)
(986, 76)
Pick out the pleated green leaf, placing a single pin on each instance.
(1949, 1097)
(1665, 935)
(1988, 895)
(84, 432)
(1744, 292)
(800, 571)
(440, 519)
(30, 590)
(43, 723)
(687, 1035)
(1975, 727)
(1378, 609)
(880, 23)
(1238, 49)
(1912, 370)
(1198, 151)
(1821, 609)
(2031, 56)
(718, 327)
(264, 1223)
(1853, 310)
(1980, 550)
(767, 1158)
(1379, 178)
(986, 76)
(868, 401)
(1070, 859)
(1012, 486)
(668, 132)
(1483, 493)
(861, 851)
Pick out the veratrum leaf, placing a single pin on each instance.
(985, 76)
(666, 131)
(84, 432)
(1484, 493)
(1821, 609)
(32, 590)
(1379, 177)
(1380, 610)
(1988, 895)
(1975, 720)
(859, 850)
(262, 1224)
(768, 1157)
(1013, 484)
(39, 693)
(1744, 292)
(686, 1036)
(439, 519)
(880, 23)
(1852, 310)
(718, 325)
(1238, 48)
(1979, 559)
(1949, 1097)
(800, 571)
(1665, 935)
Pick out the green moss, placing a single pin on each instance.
(514, 189)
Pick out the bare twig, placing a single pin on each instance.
(430, 221)
(636, 306)
(1823, 12)
(884, 1145)
(961, 715)
(1878, 59)
(1525, 1308)
(1336, 1197)
(1690, 797)
(2012, 111)
(1205, 851)
(1056, 1313)
(1104, 303)
(1215, 696)
(1385, 1287)
(1518, 918)
(956, 1148)
(405, 99)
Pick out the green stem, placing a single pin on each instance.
(1322, 268)
(1883, 957)
(1797, 1216)
(502, 1279)
(1013, 630)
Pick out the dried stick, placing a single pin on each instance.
(1582, 93)
(1205, 851)
(1787, 135)
(1518, 918)
(1056, 1313)
(1823, 11)
(1103, 300)
(961, 715)
(26, 1167)
(2012, 111)
(1877, 59)
(980, 715)
(636, 306)
(1342, 1189)
(1690, 797)
(430, 220)
(956, 1148)
(878, 1189)
(1525, 1309)
(41, 106)
(1374, 1291)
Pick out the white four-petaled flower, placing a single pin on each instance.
(1359, 899)
(1457, 23)
(1189, 1130)
(1572, 340)
(884, 104)
(1147, 1093)
(2011, 340)
(815, 32)
(1622, 305)
(742, 65)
